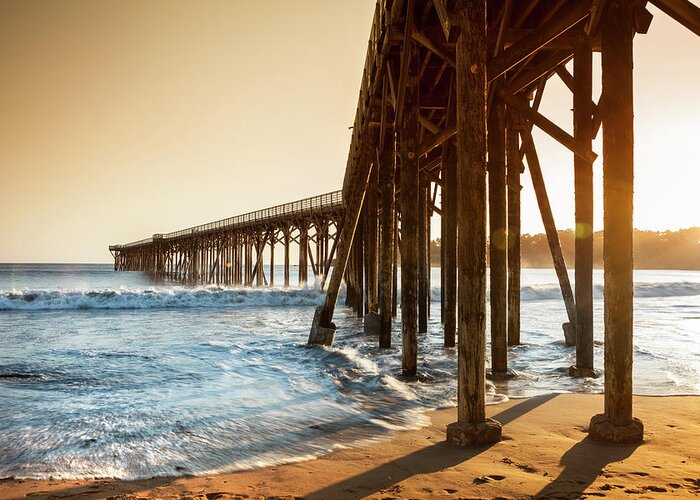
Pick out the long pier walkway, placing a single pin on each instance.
(231, 251)
(450, 93)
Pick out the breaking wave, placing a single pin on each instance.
(160, 298)
(641, 290)
(214, 297)
(551, 291)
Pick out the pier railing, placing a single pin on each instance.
(315, 204)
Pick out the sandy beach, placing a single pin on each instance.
(545, 453)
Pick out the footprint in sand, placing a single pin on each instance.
(488, 479)
(523, 467)
(608, 486)
(655, 489)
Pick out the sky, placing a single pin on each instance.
(124, 118)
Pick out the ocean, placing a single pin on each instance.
(106, 374)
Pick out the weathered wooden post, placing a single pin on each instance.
(250, 257)
(472, 426)
(371, 243)
(326, 252)
(583, 193)
(322, 327)
(498, 241)
(272, 257)
(514, 168)
(371, 233)
(358, 270)
(238, 262)
(318, 246)
(423, 264)
(395, 266)
(193, 262)
(448, 239)
(408, 150)
(303, 254)
(234, 259)
(286, 257)
(387, 168)
(617, 423)
(349, 278)
(442, 251)
(243, 278)
(428, 282)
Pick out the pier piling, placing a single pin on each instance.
(437, 72)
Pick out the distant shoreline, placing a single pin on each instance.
(653, 250)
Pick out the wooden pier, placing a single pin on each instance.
(232, 251)
(449, 96)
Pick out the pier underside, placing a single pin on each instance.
(449, 96)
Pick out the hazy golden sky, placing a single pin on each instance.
(122, 118)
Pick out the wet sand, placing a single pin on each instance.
(545, 452)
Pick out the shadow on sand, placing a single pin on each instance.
(583, 463)
(425, 461)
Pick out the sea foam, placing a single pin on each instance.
(156, 298)
(178, 297)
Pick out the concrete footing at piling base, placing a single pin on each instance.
(602, 429)
(321, 335)
(469, 434)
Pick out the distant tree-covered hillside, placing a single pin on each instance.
(652, 249)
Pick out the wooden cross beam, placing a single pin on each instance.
(536, 71)
(682, 11)
(537, 39)
(546, 125)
